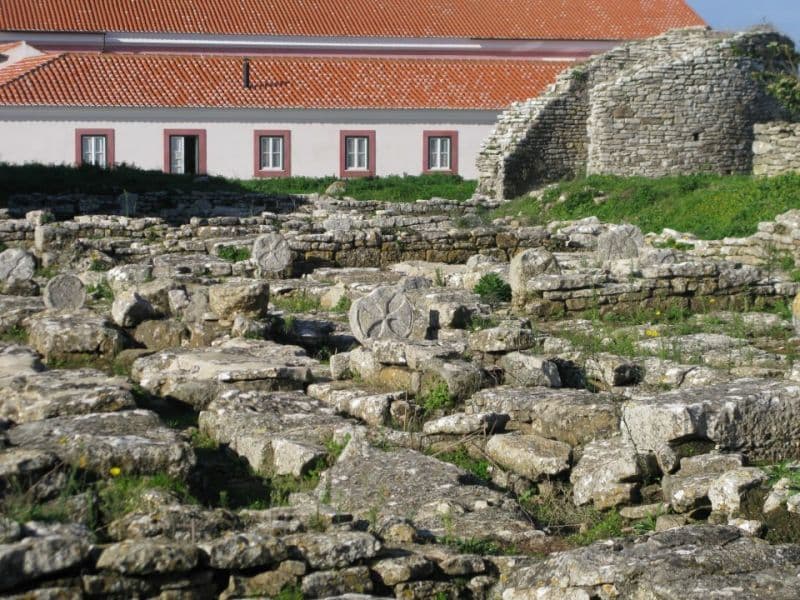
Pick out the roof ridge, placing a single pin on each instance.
(43, 61)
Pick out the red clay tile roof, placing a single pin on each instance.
(159, 80)
(22, 68)
(6, 47)
(489, 19)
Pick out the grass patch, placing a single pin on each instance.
(552, 509)
(710, 206)
(123, 494)
(609, 525)
(461, 458)
(233, 253)
(15, 335)
(101, 291)
(343, 305)
(49, 179)
(476, 546)
(492, 289)
(297, 303)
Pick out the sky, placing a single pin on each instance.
(741, 14)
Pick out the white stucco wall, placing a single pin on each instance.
(48, 136)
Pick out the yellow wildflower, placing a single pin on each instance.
(653, 333)
(83, 461)
(115, 471)
(711, 300)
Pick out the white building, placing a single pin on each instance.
(275, 88)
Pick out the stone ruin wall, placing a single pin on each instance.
(682, 102)
(776, 150)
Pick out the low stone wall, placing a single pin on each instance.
(776, 149)
(321, 233)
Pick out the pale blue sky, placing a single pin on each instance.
(741, 14)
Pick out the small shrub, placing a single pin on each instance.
(437, 398)
(492, 289)
(233, 253)
(475, 546)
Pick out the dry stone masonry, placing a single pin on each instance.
(683, 102)
(776, 150)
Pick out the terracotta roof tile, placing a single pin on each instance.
(26, 67)
(158, 80)
(496, 19)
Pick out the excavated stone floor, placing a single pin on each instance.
(607, 420)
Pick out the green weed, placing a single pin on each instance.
(492, 289)
(297, 303)
(461, 458)
(233, 253)
(436, 398)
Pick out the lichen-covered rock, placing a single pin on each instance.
(327, 584)
(43, 395)
(531, 456)
(333, 549)
(407, 567)
(184, 523)
(239, 551)
(574, 417)
(463, 424)
(726, 491)
(687, 563)
(34, 558)
(145, 557)
(268, 583)
(528, 264)
(197, 376)
(502, 339)
(607, 474)
(248, 298)
(129, 309)
(619, 242)
(755, 417)
(277, 433)
(688, 488)
(161, 334)
(526, 370)
(134, 441)
(63, 336)
(437, 496)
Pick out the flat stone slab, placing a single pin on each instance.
(276, 432)
(691, 563)
(758, 418)
(15, 309)
(61, 336)
(571, 416)
(437, 496)
(531, 456)
(43, 395)
(135, 441)
(197, 376)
